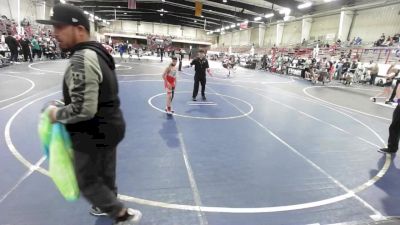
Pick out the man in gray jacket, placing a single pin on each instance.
(91, 113)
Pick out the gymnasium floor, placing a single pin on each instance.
(263, 149)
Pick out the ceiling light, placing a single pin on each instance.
(304, 5)
(238, 24)
(227, 27)
(246, 21)
(161, 14)
(269, 15)
(86, 12)
(222, 29)
(108, 23)
(195, 21)
(97, 18)
(163, 0)
(119, 6)
(233, 26)
(104, 21)
(125, 13)
(202, 16)
(225, 1)
(285, 11)
(62, 1)
(257, 18)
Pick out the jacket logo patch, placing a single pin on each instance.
(77, 78)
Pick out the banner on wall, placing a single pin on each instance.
(198, 8)
(244, 25)
(131, 4)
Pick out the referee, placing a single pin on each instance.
(394, 133)
(200, 66)
(394, 128)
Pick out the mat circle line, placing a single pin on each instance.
(305, 91)
(31, 66)
(200, 117)
(23, 93)
(282, 208)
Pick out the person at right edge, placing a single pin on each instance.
(200, 66)
(91, 113)
(394, 128)
(394, 133)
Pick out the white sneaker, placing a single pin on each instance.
(95, 211)
(169, 112)
(134, 218)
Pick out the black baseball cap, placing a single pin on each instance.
(64, 14)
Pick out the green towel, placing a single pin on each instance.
(61, 166)
(58, 149)
(44, 130)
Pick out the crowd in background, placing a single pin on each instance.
(387, 42)
(345, 69)
(32, 44)
(383, 41)
(24, 48)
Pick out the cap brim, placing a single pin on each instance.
(49, 22)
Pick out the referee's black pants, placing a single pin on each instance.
(394, 91)
(394, 131)
(199, 80)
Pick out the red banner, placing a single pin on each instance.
(243, 25)
(131, 4)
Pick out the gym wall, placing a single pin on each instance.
(368, 24)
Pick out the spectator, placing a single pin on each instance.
(374, 69)
(3, 49)
(396, 38)
(121, 50)
(345, 68)
(389, 41)
(382, 37)
(36, 50)
(353, 66)
(26, 48)
(390, 74)
(339, 68)
(380, 41)
(338, 42)
(13, 46)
